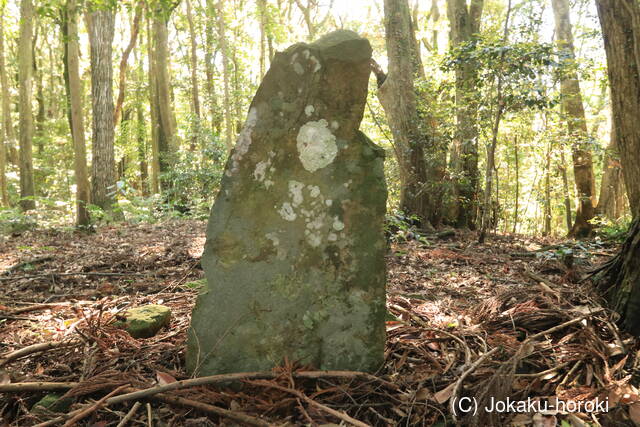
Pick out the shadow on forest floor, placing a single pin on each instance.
(506, 319)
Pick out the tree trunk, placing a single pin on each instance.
(224, 51)
(465, 23)
(398, 98)
(612, 181)
(262, 10)
(620, 22)
(195, 93)
(165, 125)
(576, 123)
(25, 69)
(122, 77)
(547, 191)
(517, 195)
(215, 115)
(6, 136)
(620, 278)
(155, 154)
(103, 168)
(565, 190)
(73, 86)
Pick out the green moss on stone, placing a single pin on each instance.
(145, 322)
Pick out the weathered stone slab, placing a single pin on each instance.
(294, 258)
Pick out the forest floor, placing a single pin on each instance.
(509, 318)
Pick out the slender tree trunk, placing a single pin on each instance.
(224, 51)
(122, 77)
(398, 98)
(103, 168)
(517, 199)
(153, 108)
(576, 123)
(215, 115)
(195, 93)
(166, 135)
(25, 69)
(547, 191)
(6, 136)
(73, 87)
(611, 179)
(262, 10)
(465, 23)
(491, 147)
(565, 189)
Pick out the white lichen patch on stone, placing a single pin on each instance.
(306, 53)
(308, 110)
(316, 63)
(261, 170)
(295, 190)
(274, 238)
(287, 213)
(328, 202)
(244, 141)
(337, 224)
(298, 68)
(335, 125)
(316, 145)
(314, 190)
(294, 57)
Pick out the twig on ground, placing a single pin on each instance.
(93, 407)
(149, 416)
(465, 374)
(340, 415)
(79, 273)
(210, 409)
(139, 394)
(129, 415)
(35, 386)
(35, 348)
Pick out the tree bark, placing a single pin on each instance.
(224, 51)
(122, 77)
(165, 125)
(517, 195)
(155, 152)
(195, 92)
(6, 136)
(103, 168)
(576, 123)
(9, 135)
(612, 185)
(620, 277)
(73, 87)
(620, 21)
(25, 69)
(215, 114)
(465, 23)
(398, 98)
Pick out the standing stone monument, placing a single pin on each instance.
(294, 257)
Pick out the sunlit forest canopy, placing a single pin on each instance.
(183, 74)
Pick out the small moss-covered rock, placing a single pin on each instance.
(145, 322)
(53, 402)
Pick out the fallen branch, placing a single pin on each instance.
(215, 379)
(35, 348)
(80, 273)
(35, 386)
(35, 307)
(465, 374)
(129, 415)
(92, 408)
(341, 415)
(211, 409)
